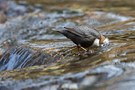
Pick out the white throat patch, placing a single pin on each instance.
(96, 42)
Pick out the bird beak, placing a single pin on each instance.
(105, 43)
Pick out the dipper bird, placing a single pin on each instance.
(85, 36)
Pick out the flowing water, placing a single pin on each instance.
(33, 56)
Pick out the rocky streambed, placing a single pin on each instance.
(33, 56)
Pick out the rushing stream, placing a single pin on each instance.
(33, 56)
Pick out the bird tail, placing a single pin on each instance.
(59, 31)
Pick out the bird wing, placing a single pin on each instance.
(74, 31)
(84, 31)
(89, 31)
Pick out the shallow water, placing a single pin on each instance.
(35, 57)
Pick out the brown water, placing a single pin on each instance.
(35, 57)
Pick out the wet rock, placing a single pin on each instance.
(50, 61)
(21, 57)
(3, 17)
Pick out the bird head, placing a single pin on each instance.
(102, 41)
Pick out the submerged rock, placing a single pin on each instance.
(22, 57)
(34, 56)
(3, 17)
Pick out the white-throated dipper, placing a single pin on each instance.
(85, 36)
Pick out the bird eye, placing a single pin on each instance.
(103, 45)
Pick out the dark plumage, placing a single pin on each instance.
(83, 36)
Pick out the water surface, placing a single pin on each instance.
(35, 57)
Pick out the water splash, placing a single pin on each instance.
(20, 57)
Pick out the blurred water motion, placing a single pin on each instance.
(33, 56)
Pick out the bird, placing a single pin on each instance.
(85, 36)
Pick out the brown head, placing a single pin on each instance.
(101, 39)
